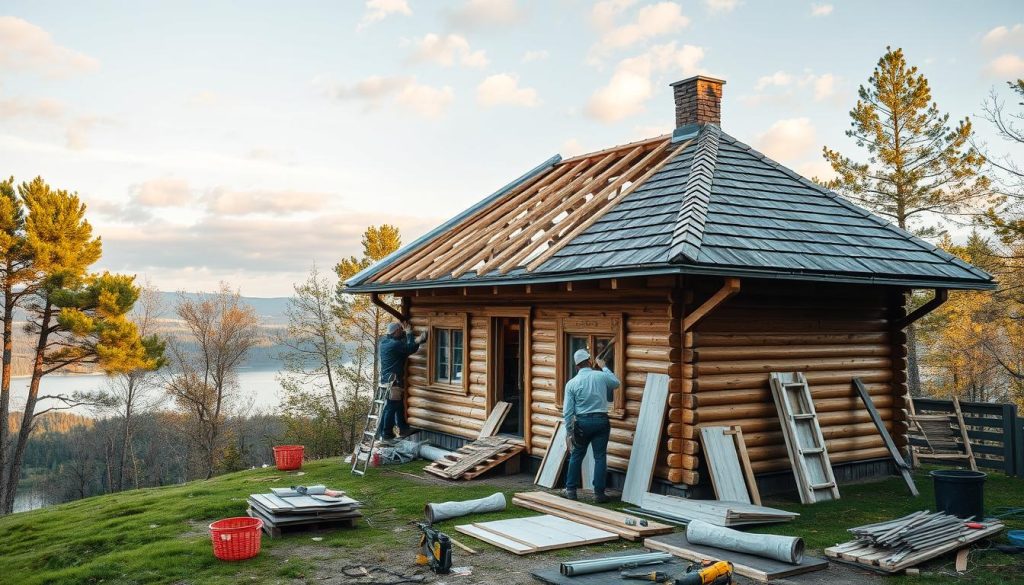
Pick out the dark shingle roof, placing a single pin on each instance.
(721, 207)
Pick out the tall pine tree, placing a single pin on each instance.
(917, 165)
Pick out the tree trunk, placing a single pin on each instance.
(28, 417)
(913, 371)
(5, 387)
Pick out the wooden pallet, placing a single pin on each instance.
(474, 459)
(877, 557)
(274, 530)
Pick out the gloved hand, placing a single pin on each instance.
(422, 338)
(600, 363)
(407, 326)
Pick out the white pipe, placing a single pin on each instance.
(444, 511)
(573, 568)
(431, 453)
(788, 549)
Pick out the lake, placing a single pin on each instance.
(259, 385)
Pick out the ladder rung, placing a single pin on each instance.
(371, 433)
(821, 486)
(379, 401)
(803, 416)
(358, 472)
(373, 416)
(813, 451)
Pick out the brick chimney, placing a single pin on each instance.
(698, 101)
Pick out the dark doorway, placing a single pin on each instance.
(508, 373)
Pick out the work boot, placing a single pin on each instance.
(569, 494)
(601, 498)
(407, 433)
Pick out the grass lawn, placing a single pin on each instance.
(159, 535)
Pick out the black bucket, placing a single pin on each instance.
(960, 492)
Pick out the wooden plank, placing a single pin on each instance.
(491, 538)
(554, 459)
(623, 531)
(573, 510)
(754, 567)
(713, 511)
(493, 422)
(647, 439)
(963, 427)
(724, 465)
(748, 470)
(880, 425)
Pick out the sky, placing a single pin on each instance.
(246, 142)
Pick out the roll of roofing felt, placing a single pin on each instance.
(444, 511)
(788, 549)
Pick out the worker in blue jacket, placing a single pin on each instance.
(394, 349)
(585, 411)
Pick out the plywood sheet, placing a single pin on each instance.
(535, 533)
(724, 464)
(554, 459)
(649, 426)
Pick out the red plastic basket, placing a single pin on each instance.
(288, 457)
(235, 539)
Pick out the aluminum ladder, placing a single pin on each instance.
(804, 441)
(364, 450)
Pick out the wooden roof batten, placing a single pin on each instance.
(535, 220)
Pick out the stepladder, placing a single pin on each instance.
(804, 441)
(364, 449)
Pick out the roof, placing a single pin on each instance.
(698, 202)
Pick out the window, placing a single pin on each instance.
(448, 356)
(446, 361)
(594, 334)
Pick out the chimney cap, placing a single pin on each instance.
(698, 78)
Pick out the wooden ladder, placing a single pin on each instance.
(364, 450)
(804, 441)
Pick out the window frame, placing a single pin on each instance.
(451, 322)
(591, 326)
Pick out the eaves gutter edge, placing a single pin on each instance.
(361, 276)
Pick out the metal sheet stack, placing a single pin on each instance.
(287, 510)
(904, 542)
(713, 511)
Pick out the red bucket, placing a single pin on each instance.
(288, 457)
(235, 539)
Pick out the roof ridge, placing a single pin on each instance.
(693, 209)
(927, 246)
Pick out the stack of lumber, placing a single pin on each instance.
(294, 512)
(476, 458)
(524, 536)
(895, 545)
(624, 525)
(713, 511)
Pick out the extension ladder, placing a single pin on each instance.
(804, 440)
(364, 450)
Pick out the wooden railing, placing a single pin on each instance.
(995, 431)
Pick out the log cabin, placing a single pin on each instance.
(691, 255)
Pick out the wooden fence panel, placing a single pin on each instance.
(995, 431)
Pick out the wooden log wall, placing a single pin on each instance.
(652, 344)
(832, 333)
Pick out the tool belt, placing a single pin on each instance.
(396, 393)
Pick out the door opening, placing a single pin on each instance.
(508, 362)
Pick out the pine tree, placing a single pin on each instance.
(76, 317)
(1005, 217)
(917, 167)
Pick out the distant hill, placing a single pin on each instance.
(270, 309)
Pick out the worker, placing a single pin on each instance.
(585, 410)
(394, 349)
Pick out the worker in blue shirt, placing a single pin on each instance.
(394, 349)
(585, 410)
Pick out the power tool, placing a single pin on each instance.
(707, 573)
(435, 549)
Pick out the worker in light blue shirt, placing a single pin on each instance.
(585, 409)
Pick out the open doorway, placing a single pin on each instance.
(508, 362)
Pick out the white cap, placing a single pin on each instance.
(580, 356)
(393, 327)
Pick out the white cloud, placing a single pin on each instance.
(378, 10)
(224, 201)
(44, 108)
(721, 5)
(650, 22)
(632, 85)
(425, 100)
(374, 91)
(1007, 66)
(778, 79)
(531, 56)
(25, 46)
(163, 192)
(572, 147)
(817, 168)
(824, 86)
(204, 97)
(821, 9)
(445, 50)
(503, 89)
(1004, 34)
(477, 14)
(787, 139)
